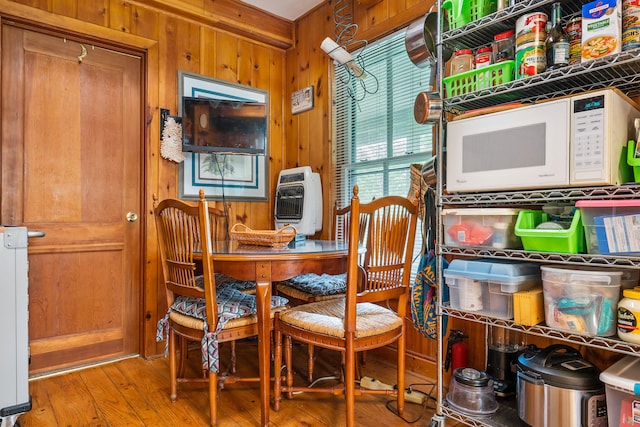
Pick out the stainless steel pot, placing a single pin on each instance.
(420, 40)
(557, 388)
(420, 43)
(427, 107)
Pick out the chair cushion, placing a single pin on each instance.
(327, 317)
(232, 304)
(241, 285)
(319, 285)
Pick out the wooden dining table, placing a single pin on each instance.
(265, 265)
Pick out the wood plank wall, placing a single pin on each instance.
(223, 39)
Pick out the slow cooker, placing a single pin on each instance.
(556, 387)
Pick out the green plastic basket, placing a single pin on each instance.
(461, 12)
(569, 241)
(633, 161)
(484, 78)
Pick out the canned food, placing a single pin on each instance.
(630, 24)
(530, 44)
(574, 31)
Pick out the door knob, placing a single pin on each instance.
(132, 216)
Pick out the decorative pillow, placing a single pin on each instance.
(325, 284)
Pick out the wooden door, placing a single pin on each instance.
(71, 154)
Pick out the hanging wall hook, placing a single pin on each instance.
(83, 53)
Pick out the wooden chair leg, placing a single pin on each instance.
(213, 397)
(350, 381)
(310, 362)
(288, 360)
(232, 346)
(277, 370)
(173, 368)
(401, 365)
(183, 347)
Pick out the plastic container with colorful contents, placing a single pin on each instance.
(611, 226)
(491, 227)
(581, 301)
(621, 383)
(569, 240)
(486, 286)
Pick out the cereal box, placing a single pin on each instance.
(601, 28)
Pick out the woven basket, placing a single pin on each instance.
(273, 238)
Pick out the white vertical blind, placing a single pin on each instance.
(376, 135)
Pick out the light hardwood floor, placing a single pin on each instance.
(135, 392)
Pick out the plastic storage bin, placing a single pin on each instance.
(484, 78)
(461, 12)
(611, 226)
(486, 286)
(633, 160)
(492, 227)
(569, 240)
(621, 383)
(582, 301)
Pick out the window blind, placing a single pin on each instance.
(376, 135)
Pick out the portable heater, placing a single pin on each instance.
(14, 329)
(299, 200)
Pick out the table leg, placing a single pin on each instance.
(263, 302)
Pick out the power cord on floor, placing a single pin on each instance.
(427, 398)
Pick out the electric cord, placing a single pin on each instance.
(425, 404)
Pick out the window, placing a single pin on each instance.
(377, 137)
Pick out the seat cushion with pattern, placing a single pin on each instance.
(191, 312)
(314, 287)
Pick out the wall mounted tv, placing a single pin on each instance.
(224, 126)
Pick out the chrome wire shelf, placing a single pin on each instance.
(542, 196)
(480, 32)
(506, 416)
(607, 343)
(548, 257)
(621, 70)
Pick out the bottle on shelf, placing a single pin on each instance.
(557, 42)
(462, 61)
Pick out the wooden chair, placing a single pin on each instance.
(357, 323)
(198, 311)
(313, 287)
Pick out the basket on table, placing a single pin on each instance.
(273, 238)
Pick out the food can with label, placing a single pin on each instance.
(630, 24)
(574, 31)
(530, 47)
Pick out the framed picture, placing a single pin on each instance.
(222, 176)
(302, 100)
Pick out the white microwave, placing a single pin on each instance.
(573, 141)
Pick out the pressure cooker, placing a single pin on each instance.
(556, 387)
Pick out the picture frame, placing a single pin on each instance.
(222, 176)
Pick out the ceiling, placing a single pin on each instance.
(287, 9)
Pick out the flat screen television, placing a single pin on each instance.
(223, 126)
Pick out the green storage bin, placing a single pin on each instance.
(570, 241)
(484, 78)
(461, 12)
(633, 160)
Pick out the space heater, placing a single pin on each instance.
(299, 200)
(14, 328)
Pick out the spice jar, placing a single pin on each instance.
(629, 315)
(503, 46)
(484, 57)
(462, 61)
